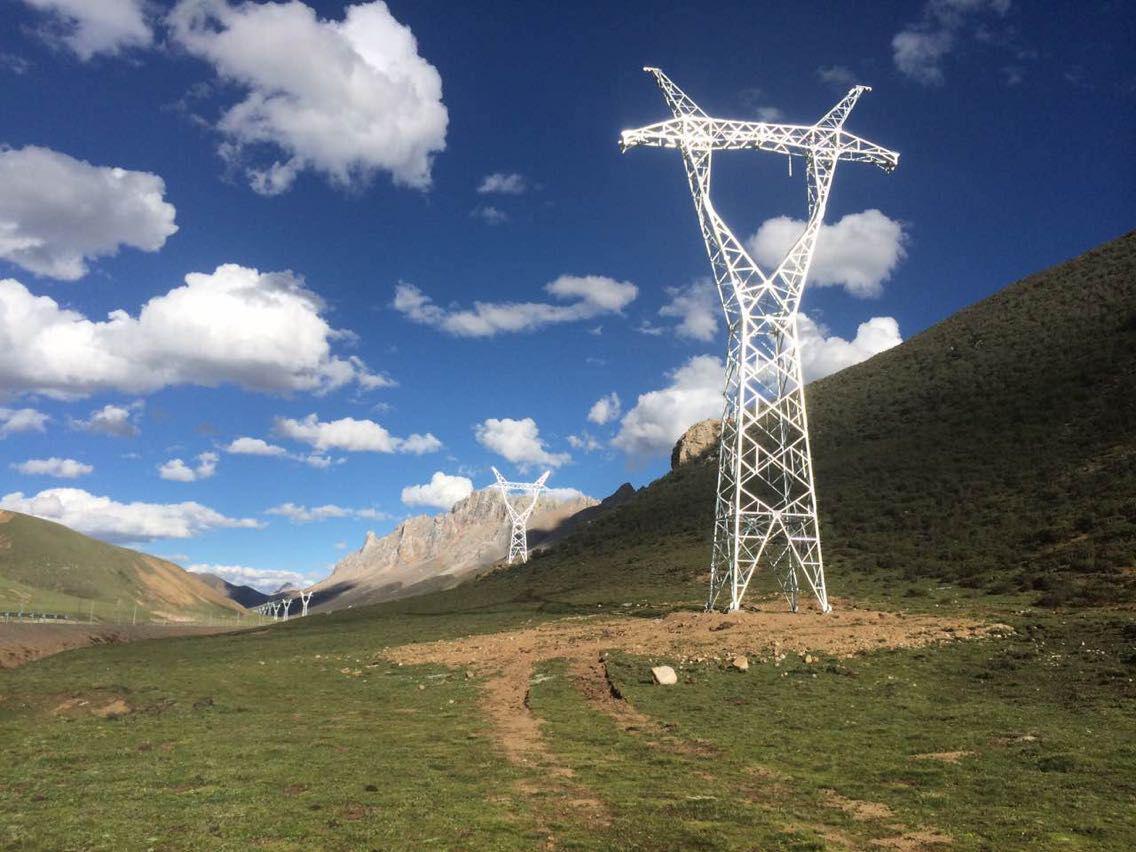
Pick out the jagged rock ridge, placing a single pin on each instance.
(438, 549)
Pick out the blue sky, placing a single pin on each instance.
(305, 165)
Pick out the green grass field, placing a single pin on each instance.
(269, 739)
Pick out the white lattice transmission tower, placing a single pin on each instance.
(766, 506)
(519, 511)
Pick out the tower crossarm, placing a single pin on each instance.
(700, 133)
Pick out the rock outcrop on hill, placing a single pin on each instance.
(696, 442)
(437, 551)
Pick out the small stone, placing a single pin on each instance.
(740, 663)
(664, 675)
(421, 686)
(809, 659)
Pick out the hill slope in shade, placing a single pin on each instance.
(431, 552)
(48, 566)
(996, 450)
(246, 596)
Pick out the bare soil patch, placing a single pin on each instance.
(21, 643)
(507, 661)
(507, 658)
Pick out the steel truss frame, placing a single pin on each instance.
(766, 507)
(519, 515)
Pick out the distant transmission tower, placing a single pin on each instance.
(766, 510)
(518, 516)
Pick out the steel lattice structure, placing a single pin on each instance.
(766, 509)
(518, 516)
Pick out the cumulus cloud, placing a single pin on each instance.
(837, 76)
(822, 355)
(14, 420)
(503, 183)
(57, 213)
(246, 446)
(589, 295)
(261, 331)
(345, 99)
(116, 420)
(54, 466)
(266, 580)
(518, 441)
(357, 436)
(605, 409)
(178, 471)
(661, 416)
(919, 49)
(254, 447)
(858, 253)
(442, 491)
(304, 515)
(90, 27)
(107, 519)
(696, 308)
(584, 441)
(489, 214)
(694, 391)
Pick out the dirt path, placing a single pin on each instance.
(507, 658)
(507, 662)
(22, 643)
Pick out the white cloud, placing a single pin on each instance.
(344, 98)
(605, 409)
(821, 355)
(694, 393)
(489, 214)
(839, 76)
(61, 468)
(258, 447)
(57, 213)
(304, 515)
(266, 580)
(594, 295)
(14, 420)
(518, 441)
(442, 491)
(357, 436)
(920, 49)
(262, 331)
(90, 27)
(858, 253)
(503, 183)
(769, 113)
(116, 420)
(105, 518)
(661, 416)
(585, 442)
(254, 447)
(697, 309)
(178, 471)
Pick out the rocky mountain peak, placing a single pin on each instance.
(696, 442)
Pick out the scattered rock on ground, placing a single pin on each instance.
(664, 675)
(740, 663)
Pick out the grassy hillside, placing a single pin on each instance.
(246, 596)
(995, 451)
(47, 566)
